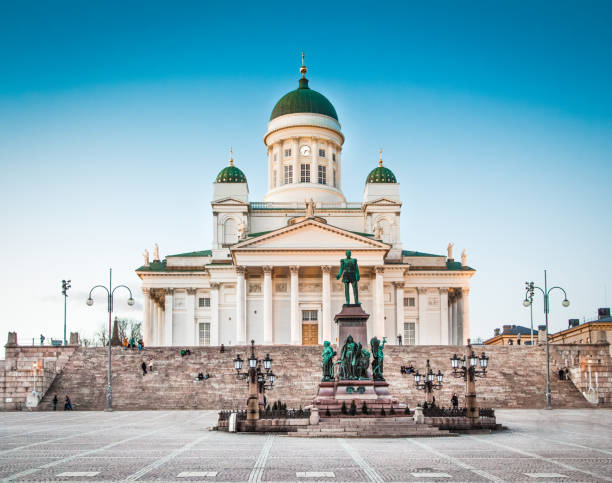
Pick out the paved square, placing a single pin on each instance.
(559, 445)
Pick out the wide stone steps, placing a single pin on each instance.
(515, 379)
(369, 428)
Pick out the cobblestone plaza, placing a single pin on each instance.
(559, 445)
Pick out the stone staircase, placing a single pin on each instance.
(515, 379)
(391, 427)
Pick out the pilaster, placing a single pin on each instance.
(296, 328)
(240, 305)
(214, 313)
(326, 305)
(444, 337)
(191, 322)
(268, 334)
(168, 317)
(379, 291)
(399, 308)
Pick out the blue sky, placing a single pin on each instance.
(115, 117)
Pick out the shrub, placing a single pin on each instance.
(343, 409)
(382, 412)
(327, 413)
(364, 408)
(284, 408)
(392, 410)
(275, 406)
(407, 410)
(353, 409)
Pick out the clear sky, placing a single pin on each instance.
(115, 117)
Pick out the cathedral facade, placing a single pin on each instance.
(270, 272)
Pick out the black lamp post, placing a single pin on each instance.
(110, 291)
(65, 286)
(258, 381)
(467, 367)
(530, 287)
(428, 381)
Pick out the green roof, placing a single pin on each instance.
(231, 174)
(154, 266)
(202, 253)
(381, 175)
(409, 253)
(457, 266)
(303, 99)
(253, 235)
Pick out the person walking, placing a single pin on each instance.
(68, 404)
(399, 339)
(143, 366)
(455, 401)
(55, 402)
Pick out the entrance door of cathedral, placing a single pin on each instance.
(310, 334)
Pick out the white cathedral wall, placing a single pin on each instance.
(254, 314)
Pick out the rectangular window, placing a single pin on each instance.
(409, 302)
(309, 315)
(322, 175)
(409, 333)
(204, 333)
(203, 302)
(287, 152)
(334, 172)
(322, 153)
(334, 157)
(288, 174)
(305, 174)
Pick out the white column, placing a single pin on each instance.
(296, 160)
(326, 306)
(465, 314)
(399, 309)
(296, 327)
(268, 333)
(422, 329)
(314, 168)
(192, 338)
(379, 292)
(146, 323)
(160, 324)
(154, 327)
(240, 306)
(444, 316)
(168, 319)
(456, 339)
(279, 163)
(214, 313)
(339, 169)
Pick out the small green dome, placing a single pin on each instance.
(303, 99)
(231, 174)
(381, 174)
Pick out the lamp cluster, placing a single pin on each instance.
(264, 379)
(428, 379)
(460, 369)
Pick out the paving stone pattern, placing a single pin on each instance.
(516, 378)
(558, 445)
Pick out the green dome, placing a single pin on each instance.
(231, 174)
(303, 99)
(381, 175)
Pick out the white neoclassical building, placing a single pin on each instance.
(270, 272)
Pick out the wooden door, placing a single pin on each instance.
(310, 334)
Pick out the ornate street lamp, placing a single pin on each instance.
(65, 286)
(528, 302)
(258, 381)
(427, 382)
(110, 291)
(467, 368)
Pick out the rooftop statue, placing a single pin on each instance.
(349, 271)
(328, 362)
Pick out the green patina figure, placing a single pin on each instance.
(328, 362)
(364, 363)
(348, 359)
(378, 356)
(349, 271)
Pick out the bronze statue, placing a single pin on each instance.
(364, 363)
(349, 271)
(328, 362)
(348, 359)
(377, 354)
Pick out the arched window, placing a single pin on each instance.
(230, 232)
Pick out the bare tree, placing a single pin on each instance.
(101, 336)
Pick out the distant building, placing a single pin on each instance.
(592, 332)
(512, 335)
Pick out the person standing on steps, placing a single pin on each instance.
(55, 402)
(68, 404)
(455, 401)
(144, 368)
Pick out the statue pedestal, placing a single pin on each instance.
(375, 394)
(352, 320)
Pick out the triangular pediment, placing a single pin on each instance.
(229, 201)
(383, 201)
(311, 235)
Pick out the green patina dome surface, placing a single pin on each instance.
(381, 175)
(303, 99)
(231, 174)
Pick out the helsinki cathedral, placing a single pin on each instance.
(269, 273)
